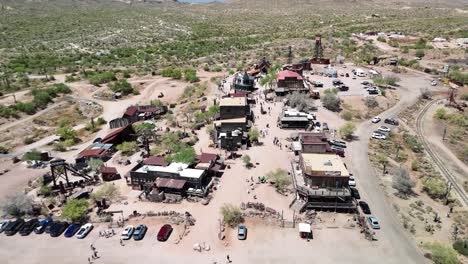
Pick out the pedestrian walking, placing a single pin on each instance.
(89, 260)
(95, 256)
(228, 259)
(121, 242)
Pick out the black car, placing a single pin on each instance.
(391, 121)
(355, 193)
(344, 88)
(13, 227)
(49, 227)
(42, 225)
(57, 228)
(28, 227)
(365, 207)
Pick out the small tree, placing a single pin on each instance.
(75, 209)
(67, 133)
(144, 126)
(18, 205)
(419, 53)
(232, 215)
(254, 134)
(402, 182)
(32, 155)
(442, 254)
(347, 130)
(461, 246)
(435, 187)
(440, 113)
(247, 161)
(107, 190)
(128, 148)
(383, 160)
(280, 178)
(331, 101)
(95, 164)
(298, 101)
(186, 155)
(348, 116)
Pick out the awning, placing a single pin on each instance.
(170, 183)
(304, 228)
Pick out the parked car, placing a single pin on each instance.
(384, 129)
(364, 207)
(164, 232)
(338, 151)
(355, 193)
(372, 90)
(352, 181)
(347, 74)
(317, 84)
(84, 231)
(71, 230)
(127, 233)
(42, 225)
(241, 232)
(338, 143)
(57, 228)
(378, 136)
(344, 88)
(3, 224)
(376, 119)
(373, 222)
(140, 232)
(366, 82)
(337, 82)
(13, 227)
(434, 83)
(49, 226)
(391, 121)
(325, 126)
(28, 227)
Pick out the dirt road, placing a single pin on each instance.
(368, 182)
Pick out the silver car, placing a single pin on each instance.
(241, 232)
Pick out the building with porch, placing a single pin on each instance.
(321, 182)
(289, 81)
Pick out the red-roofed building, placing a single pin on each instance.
(289, 81)
(207, 158)
(109, 173)
(92, 153)
(156, 161)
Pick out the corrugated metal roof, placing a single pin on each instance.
(170, 183)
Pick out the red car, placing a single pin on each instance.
(164, 232)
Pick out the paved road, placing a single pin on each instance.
(399, 242)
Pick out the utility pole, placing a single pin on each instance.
(445, 133)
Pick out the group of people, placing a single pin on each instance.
(277, 142)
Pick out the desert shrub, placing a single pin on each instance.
(247, 161)
(171, 73)
(232, 215)
(144, 126)
(121, 86)
(371, 102)
(464, 97)
(442, 254)
(75, 209)
(107, 190)
(18, 205)
(28, 140)
(413, 143)
(190, 75)
(254, 134)
(28, 108)
(67, 133)
(402, 182)
(298, 101)
(32, 155)
(440, 113)
(45, 190)
(331, 102)
(347, 130)
(280, 178)
(419, 53)
(381, 39)
(97, 78)
(434, 187)
(101, 121)
(186, 155)
(461, 246)
(415, 165)
(128, 148)
(95, 164)
(348, 116)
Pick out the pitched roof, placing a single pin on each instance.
(156, 161)
(112, 135)
(108, 170)
(282, 75)
(207, 157)
(131, 111)
(170, 183)
(91, 153)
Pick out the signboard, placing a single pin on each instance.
(446, 68)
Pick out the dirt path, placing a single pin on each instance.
(392, 232)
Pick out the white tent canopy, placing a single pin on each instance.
(304, 228)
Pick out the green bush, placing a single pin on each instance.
(190, 75)
(28, 108)
(434, 187)
(461, 246)
(32, 155)
(442, 254)
(171, 73)
(28, 140)
(331, 102)
(186, 155)
(440, 113)
(280, 178)
(128, 148)
(121, 86)
(75, 209)
(413, 143)
(98, 78)
(347, 130)
(144, 126)
(232, 215)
